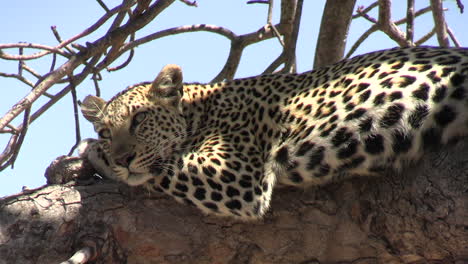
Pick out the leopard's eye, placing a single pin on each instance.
(139, 117)
(104, 133)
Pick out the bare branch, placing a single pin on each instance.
(366, 16)
(96, 78)
(376, 27)
(47, 50)
(425, 38)
(127, 61)
(361, 39)
(98, 47)
(439, 22)
(31, 71)
(20, 63)
(59, 39)
(18, 77)
(410, 21)
(179, 30)
(7, 152)
(453, 37)
(232, 62)
(361, 10)
(75, 115)
(270, 12)
(291, 41)
(126, 4)
(103, 5)
(389, 27)
(258, 2)
(418, 13)
(275, 64)
(190, 3)
(8, 157)
(460, 5)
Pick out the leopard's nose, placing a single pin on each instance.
(125, 159)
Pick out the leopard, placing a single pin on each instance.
(224, 147)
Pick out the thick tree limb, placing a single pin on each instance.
(439, 22)
(333, 32)
(420, 216)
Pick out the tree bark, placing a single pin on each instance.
(417, 216)
(333, 33)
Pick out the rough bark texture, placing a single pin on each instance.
(333, 34)
(420, 216)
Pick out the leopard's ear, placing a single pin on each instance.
(168, 83)
(92, 107)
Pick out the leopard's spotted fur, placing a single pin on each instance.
(223, 147)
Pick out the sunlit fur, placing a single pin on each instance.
(224, 147)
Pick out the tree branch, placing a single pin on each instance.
(93, 50)
(356, 221)
(439, 22)
(333, 32)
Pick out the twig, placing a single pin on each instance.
(375, 28)
(103, 5)
(24, 130)
(258, 2)
(17, 139)
(52, 64)
(425, 38)
(31, 71)
(8, 152)
(118, 20)
(18, 77)
(275, 64)
(460, 5)
(361, 10)
(59, 39)
(270, 12)
(20, 62)
(94, 48)
(75, 115)
(77, 80)
(364, 15)
(361, 39)
(190, 3)
(127, 61)
(96, 78)
(270, 23)
(124, 64)
(126, 4)
(453, 37)
(232, 62)
(418, 13)
(179, 30)
(47, 50)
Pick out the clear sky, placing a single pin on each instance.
(201, 56)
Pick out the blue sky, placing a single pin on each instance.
(201, 56)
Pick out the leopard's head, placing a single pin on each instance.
(142, 127)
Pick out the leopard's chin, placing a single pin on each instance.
(135, 179)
